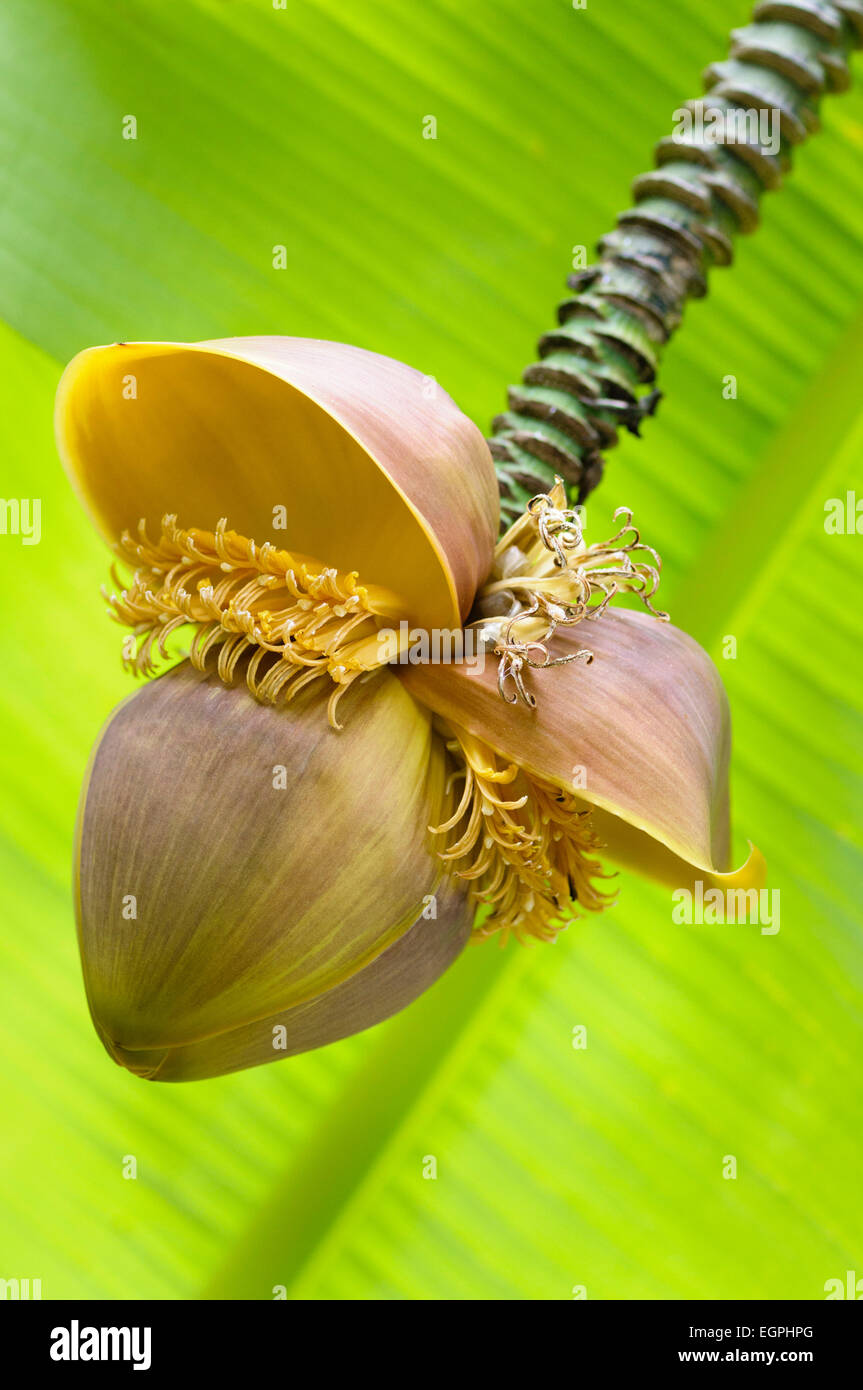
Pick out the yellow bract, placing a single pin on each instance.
(321, 448)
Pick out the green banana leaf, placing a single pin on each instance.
(560, 1170)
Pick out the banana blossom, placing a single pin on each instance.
(292, 833)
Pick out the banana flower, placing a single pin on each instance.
(292, 833)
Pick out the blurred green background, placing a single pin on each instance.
(556, 1167)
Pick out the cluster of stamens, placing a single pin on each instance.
(287, 622)
(525, 847)
(545, 577)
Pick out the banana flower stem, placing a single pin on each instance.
(726, 149)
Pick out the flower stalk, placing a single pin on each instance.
(596, 365)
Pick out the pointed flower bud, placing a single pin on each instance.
(251, 884)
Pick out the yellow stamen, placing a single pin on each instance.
(528, 852)
(545, 577)
(286, 618)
